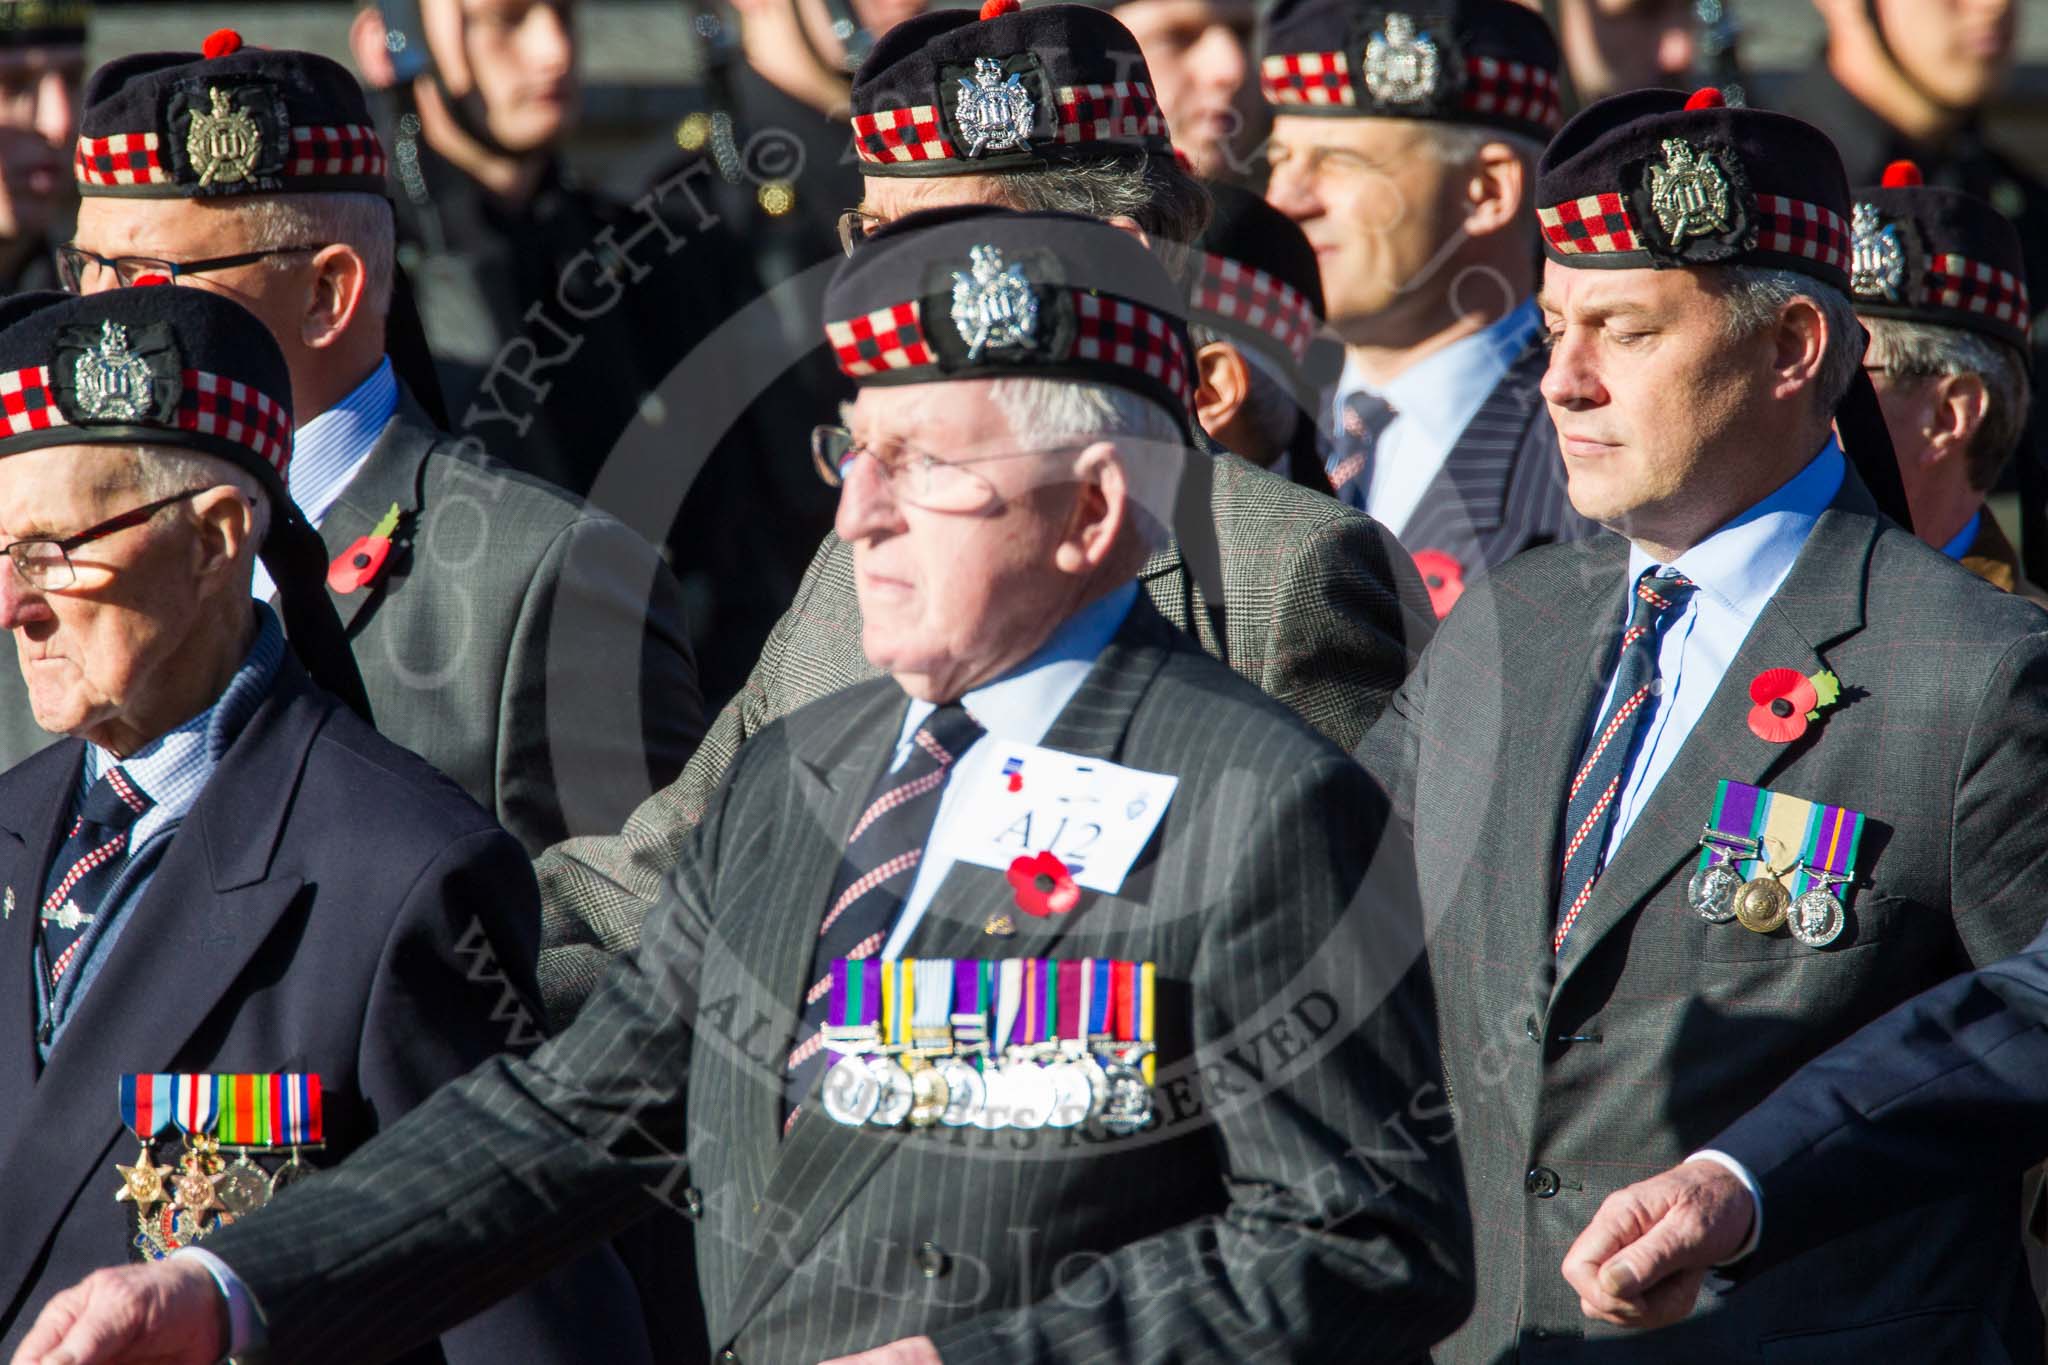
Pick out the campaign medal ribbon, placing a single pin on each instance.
(931, 1035)
(1004, 982)
(1032, 1094)
(853, 1028)
(1784, 851)
(145, 1108)
(961, 1070)
(295, 1122)
(196, 1209)
(897, 1096)
(1817, 917)
(245, 1121)
(1076, 1076)
(1129, 1107)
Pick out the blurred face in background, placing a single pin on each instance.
(1611, 46)
(38, 129)
(1956, 51)
(518, 56)
(1199, 54)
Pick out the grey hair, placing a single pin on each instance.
(1269, 406)
(361, 222)
(158, 472)
(1756, 298)
(1052, 412)
(1169, 204)
(1454, 144)
(1927, 351)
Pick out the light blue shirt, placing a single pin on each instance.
(1959, 544)
(171, 770)
(1017, 708)
(329, 450)
(1434, 400)
(1737, 568)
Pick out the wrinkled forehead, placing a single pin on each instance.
(62, 487)
(949, 410)
(1573, 291)
(174, 228)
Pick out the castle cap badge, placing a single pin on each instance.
(1402, 65)
(1877, 267)
(1689, 193)
(223, 144)
(995, 115)
(994, 306)
(112, 382)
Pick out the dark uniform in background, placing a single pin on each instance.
(58, 28)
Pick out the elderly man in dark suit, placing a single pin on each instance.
(223, 884)
(528, 646)
(1071, 792)
(1320, 608)
(1696, 801)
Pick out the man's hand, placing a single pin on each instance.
(909, 1351)
(1641, 1260)
(168, 1313)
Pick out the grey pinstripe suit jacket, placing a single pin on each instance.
(1300, 1201)
(1313, 602)
(1654, 1030)
(527, 645)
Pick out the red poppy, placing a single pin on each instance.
(1444, 577)
(1043, 885)
(1784, 699)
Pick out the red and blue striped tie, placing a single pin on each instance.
(85, 867)
(1596, 783)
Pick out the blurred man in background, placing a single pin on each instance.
(1199, 54)
(1615, 45)
(42, 61)
(1405, 151)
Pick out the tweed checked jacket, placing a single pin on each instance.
(527, 645)
(1316, 604)
(1298, 1200)
(1575, 1074)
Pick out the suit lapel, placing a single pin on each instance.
(821, 1165)
(1819, 603)
(37, 797)
(390, 474)
(208, 909)
(1468, 497)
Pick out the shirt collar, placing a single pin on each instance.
(1022, 703)
(1441, 391)
(327, 451)
(1960, 543)
(1743, 563)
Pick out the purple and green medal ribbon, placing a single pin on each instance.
(973, 988)
(856, 993)
(1826, 837)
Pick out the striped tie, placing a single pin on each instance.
(875, 877)
(1589, 805)
(92, 856)
(1364, 420)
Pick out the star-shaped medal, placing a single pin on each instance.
(198, 1192)
(143, 1183)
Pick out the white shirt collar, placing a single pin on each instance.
(329, 450)
(1442, 391)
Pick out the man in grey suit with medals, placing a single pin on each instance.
(1039, 1002)
(1694, 802)
(557, 688)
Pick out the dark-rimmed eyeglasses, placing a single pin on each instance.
(76, 267)
(44, 562)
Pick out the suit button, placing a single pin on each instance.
(693, 1203)
(728, 1357)
(1541, 1182)
(1533, 1029)
(932, 1260)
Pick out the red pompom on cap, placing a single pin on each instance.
(996, 9)
(1902, 175)
(1706, 97)
(221, 42)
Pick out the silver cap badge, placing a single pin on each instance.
(223, 145)
(1689, 193)
(995, 114)
(1401, 66)
(1878, 264)
(993, 305)
(112, 382)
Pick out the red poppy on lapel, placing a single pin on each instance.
(1444, 577)
(1043, 885)
(357, 567)
(1785, 702)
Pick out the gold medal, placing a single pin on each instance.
(143, 1183)
(929, 1094)
(1761, 904)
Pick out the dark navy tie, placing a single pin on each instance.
(1596, 783)
(875, 876)
(1360, 425)
(91, 858)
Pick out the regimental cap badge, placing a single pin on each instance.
(994, 305)
(1401, 64)
(111, 382)
(1877, 267)
(995, 113)
(224, 143)
(1690, 194)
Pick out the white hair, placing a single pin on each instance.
(156, 472)
(1756, 299)
(1051, 412)
(1925, 350)
(361, 222)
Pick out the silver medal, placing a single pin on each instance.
(1711, 893)
(1129, 1107)
(1032, 1095)
(897, 1095)
(850, 1092)
(1816, 919)
(994, 1110)
(1072, 1097)
(965, 1090)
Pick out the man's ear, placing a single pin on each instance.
(340, 281)
(366, 35)
(1498, 191)
(1800, 344)
(227, 524)
(1223, 382)
(1961, 402)
(1130, 225)
(1102, 511)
